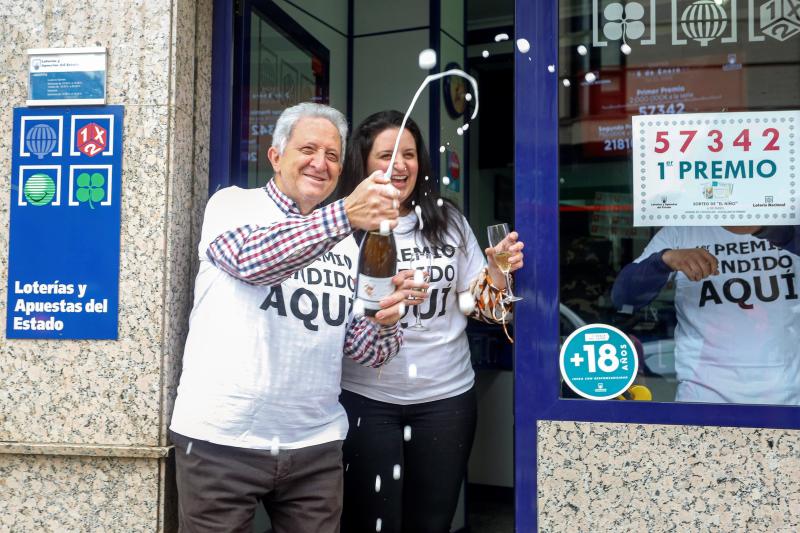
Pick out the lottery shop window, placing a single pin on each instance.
(678, 126)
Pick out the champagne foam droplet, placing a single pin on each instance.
(626, 48)
(412, 370)
(442, 149)
(426, 178)
(418, 211)
(275, 446)
(445, 180)
(358, 422)
(468, 97)
(485, 54)
(590, 77)
(582, 50)
(396, 472)
(384, 229)
(460, 131)
(523, 45)
(377, 483)
(378, 525)
(407, 433)
(551, 68)
(189, 447)
(466, 302)
(566, 82)
(500, 37)
(440, 202)
(465, 127)
(427, 59)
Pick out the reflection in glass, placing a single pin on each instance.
(699, 341)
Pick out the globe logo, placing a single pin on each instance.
(41, 140)
(704, 21)
(39, 189)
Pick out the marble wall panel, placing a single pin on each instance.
(104, 392)
(78, 494)
(182, 61)
(619, 477)
(179, 279)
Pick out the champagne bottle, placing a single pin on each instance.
(377, 264)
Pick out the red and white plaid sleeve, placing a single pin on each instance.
(268, 255)
(371, 344)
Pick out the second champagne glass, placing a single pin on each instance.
(426, 261)
(497, 234)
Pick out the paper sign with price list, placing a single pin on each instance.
(598, 362)
(711, 169)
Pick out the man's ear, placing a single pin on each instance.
(274, 158)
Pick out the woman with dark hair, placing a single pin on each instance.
(412, 424)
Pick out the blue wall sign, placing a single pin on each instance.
(598, 362)
(63, 267)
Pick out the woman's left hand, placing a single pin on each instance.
(514, 246)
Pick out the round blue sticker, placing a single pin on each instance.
(598, 362)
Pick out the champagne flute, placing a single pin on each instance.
(419, 276)
(497, 234)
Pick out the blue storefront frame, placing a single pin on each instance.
(536, 374)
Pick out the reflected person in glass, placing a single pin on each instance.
(412, 423)
(737, 339)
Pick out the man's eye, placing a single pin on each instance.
(307, 150)
(333, 157)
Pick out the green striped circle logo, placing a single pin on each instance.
(39, 189)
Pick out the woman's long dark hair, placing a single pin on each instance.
(438, 222)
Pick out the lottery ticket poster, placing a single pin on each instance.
(710, 169)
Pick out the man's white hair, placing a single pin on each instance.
(290, 116)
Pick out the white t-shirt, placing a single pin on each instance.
(264, 363)
(727, 352)
(441, 354)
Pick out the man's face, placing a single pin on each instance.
(309, 168)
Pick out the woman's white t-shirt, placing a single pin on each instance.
(433, 364)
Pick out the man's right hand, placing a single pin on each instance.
(374, 199)
(695, 263)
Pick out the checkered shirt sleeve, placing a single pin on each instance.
(371, 344)
(270, 254)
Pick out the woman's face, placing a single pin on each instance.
(404, 174)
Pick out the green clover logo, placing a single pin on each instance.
(90, 188)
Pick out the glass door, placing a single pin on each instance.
(283, 65)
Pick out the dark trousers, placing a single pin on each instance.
(431, 464)
(220, 486)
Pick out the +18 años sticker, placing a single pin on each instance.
(598, 362)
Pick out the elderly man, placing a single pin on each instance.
(257, 416)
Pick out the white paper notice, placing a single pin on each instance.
(709, 169)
